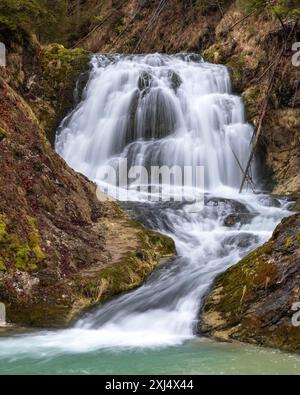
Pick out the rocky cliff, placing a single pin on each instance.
(257, 300)
(61, 250)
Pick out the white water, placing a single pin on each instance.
(162, 110)
(158, 110)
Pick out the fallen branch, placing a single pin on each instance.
(261, 119)
(242, 19)
(155, 15)
(249, 179)
(100, 24)
(117, 40)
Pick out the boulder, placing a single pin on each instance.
(257, 300)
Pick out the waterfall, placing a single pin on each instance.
(157, 110)
(169, 110)
(163, 110)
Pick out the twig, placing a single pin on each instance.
(259, 127)
(127, 26)
(296, 91)
(249, 178)
(155, 15)
(241, 20)
(264, 73)
(100, 24)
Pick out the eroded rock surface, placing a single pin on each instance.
(61, 250)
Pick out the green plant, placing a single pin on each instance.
(16, 14)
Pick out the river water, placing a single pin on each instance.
(159, 110)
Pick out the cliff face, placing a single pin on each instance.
(257, 300)
(44, 76)
(61, 250)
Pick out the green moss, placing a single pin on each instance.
(288, 242)
(280, 8)
(35, 240)
(119, 28)
(285, 9)
(251, 5)
(61, 68)
(3, 222)
(163, 243)
(252, 100)
(21, 253)
(131, 271)
(243, 280)
(61, 62)
(296, 12)
(2, 266)
(38, 253)
(113, 280)
(210, 55)
(236, 66)
(39, 314)
(16, 14)
(298, 236)
(3, 134)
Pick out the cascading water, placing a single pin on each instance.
(168, 110)
(159, 110)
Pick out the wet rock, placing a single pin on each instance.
(233, 211)
(175, 80)
(255, 301)
(144, 83)
(131, 124)
(231, 204)
(231, 220)
(241, 240)
(240, 218)
(269, 201)
(194, 57)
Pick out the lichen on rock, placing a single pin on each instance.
(60, 68)
(253, 299)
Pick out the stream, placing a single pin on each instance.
(161, 110)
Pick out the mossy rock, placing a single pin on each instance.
(236, 66)
(131, 271)
(2, 266)
(60, 68)
(20, 252)
(211, 55)
(296, 206)
(60, 61)
(252, 99)
(252, 301)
